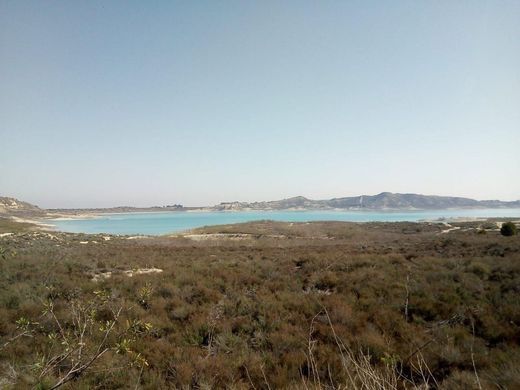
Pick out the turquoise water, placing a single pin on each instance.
(171, 222)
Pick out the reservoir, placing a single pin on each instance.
(157, 223)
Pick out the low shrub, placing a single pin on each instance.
(508, 229)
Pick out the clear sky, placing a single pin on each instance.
(107, 103)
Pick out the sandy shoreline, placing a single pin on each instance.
(39, 222)
(64, 217)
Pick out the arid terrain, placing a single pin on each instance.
(262, 305)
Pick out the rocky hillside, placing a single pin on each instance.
(11, 207)
(298, 202)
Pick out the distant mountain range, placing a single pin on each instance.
(10, 207)
(382, 201)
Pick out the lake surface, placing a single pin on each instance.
(172, 222)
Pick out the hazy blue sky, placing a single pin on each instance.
(140, 103)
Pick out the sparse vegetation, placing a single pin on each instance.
(275, 305)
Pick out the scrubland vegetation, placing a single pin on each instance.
(263, 305)
(508, 229)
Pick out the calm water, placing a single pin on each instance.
(171, 222)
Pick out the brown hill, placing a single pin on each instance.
(11, 207)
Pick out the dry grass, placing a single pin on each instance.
(320, 305)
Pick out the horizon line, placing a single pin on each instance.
(264, 201)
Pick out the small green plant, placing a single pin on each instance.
(4, 254)
(143, 296)
(508, 229)
(138, 327)
(390, 360)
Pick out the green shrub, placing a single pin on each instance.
(508, 229)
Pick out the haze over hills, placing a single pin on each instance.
(383, 201)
